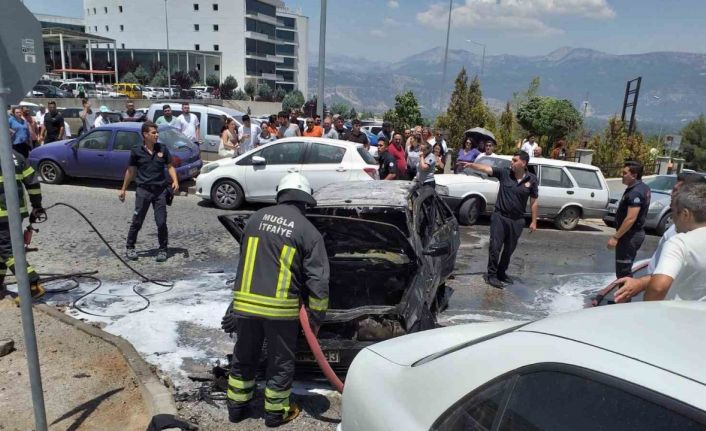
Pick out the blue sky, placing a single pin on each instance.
(393, 29)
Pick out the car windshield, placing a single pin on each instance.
(488, 161)
(174, 139)
(661, 183)
(369, 159)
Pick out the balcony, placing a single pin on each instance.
(264, 76)
(263, 18)
(260, 36)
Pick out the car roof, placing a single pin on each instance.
(365, 193)
(129, 125)
(551, 162)
(664, 334)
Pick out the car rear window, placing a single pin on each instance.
(174, 139)
(586, 179)
(367, 157)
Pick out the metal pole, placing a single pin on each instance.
(446, 57)
(482, 64)
(169, 60)
(61, 50)
(18, 252)
(90, 58)
(322, 59)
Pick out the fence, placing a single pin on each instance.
(616, 171)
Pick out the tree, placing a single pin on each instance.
(518, 98)
(367, 115)
(228, 86)
(694, 143)
(160, 79)
(550, 117)
(405, 114)
(279, 94)
(293, 101)
(250, 90)
(240, 95)
(264, 92)
(506, 137)
(182, 79)
(353, 114)
(129, 77)
(613, 147)
(213, 81)
(195, 76)
(342, 109)
(142, 75)
(310, 106)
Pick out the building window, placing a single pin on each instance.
(122, 45)
(197, 47)
(105, 10)
(120, 9)
(106, 28)
(122, 27)
(95, 28)
(88, 11)
(94, 11)
(216, 67)
(196, 6)
(196, 27)
(215, 6)
(215, 27)
(215, 47)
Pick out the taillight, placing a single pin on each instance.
(176, 161)
(372, 172)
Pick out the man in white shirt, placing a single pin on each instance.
(633, 286)
(488, 151)
(529, 145)
(101, 117)
(681, 270)
(188, 124)
(438, 138)
(249, 135)
(39, 117)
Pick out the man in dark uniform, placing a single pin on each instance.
(388, 164)
(630, 219)
(24, 176)
(147, 164)
(53, 127)
(283, 263)
(507, 221)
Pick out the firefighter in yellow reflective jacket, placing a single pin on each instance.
(25, 176)
(283, 263)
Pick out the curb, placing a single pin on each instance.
(158, 398)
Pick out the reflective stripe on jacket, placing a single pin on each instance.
(24, 175)
(282, 262)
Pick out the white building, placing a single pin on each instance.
(260, 41)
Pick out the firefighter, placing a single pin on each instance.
(26, 176)
(283, 263)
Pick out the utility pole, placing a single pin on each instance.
(169, 61)
(446, 57)
(482, 64)
(322, 61)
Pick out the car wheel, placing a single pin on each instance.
(665, 223)
(469, 211)
(568, 218)
(50, 172)
(227, 195)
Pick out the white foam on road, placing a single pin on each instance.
(571, 292)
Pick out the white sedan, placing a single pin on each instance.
(254, 175)
(630, 367)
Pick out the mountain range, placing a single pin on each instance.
(673, 87)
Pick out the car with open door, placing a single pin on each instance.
(391, 247)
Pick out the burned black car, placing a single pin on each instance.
(391, 247)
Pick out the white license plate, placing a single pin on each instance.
(332, 356)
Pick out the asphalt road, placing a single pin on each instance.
(556, 272)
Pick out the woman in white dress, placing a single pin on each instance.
(229, 145)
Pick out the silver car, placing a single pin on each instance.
(659, 215)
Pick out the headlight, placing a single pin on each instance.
(209, 167)
(442, 190)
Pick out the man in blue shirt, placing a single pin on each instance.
(19, 130)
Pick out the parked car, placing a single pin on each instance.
(372, 129)
(151, 93)
(50, 92)
(104, 153)
(659, 214)
(568, 191)
(254, 176)
(210, 117)
(402, 237)
(569, 372)
(74, 87)
(203, 92)
(130, 90)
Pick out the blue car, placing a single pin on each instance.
(104, 153)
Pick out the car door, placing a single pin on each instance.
(211, 132)
(124, 142)
(555, 190)
(590, 192)
(325, 164)
(90, 155)
(281, 158)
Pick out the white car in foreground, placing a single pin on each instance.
(254, 175)
(630, 367)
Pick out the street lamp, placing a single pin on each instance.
(482, 64)
(169, 61)
(446, 56)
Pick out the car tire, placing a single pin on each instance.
(50, 172)
(568, 218)
(227, 194)
(664, 223)
(469, 211)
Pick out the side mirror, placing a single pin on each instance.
(437, 249)
(257, 160)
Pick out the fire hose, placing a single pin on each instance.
(318, 353)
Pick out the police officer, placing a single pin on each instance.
(506, 223)
(25, 176)
(147, 165)
(387, 164)
(283, 263)
(630, 219)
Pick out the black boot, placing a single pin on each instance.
(238, 411)
(273, 420)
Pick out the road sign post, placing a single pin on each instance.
(21, 65)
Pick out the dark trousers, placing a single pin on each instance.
(281, 338)
(23, 149)
(626, 250)
(144, 197)
(504, 233)
(7, 261)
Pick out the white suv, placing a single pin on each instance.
(254, 175)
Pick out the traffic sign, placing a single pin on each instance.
(672, 142)
(21, 50)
